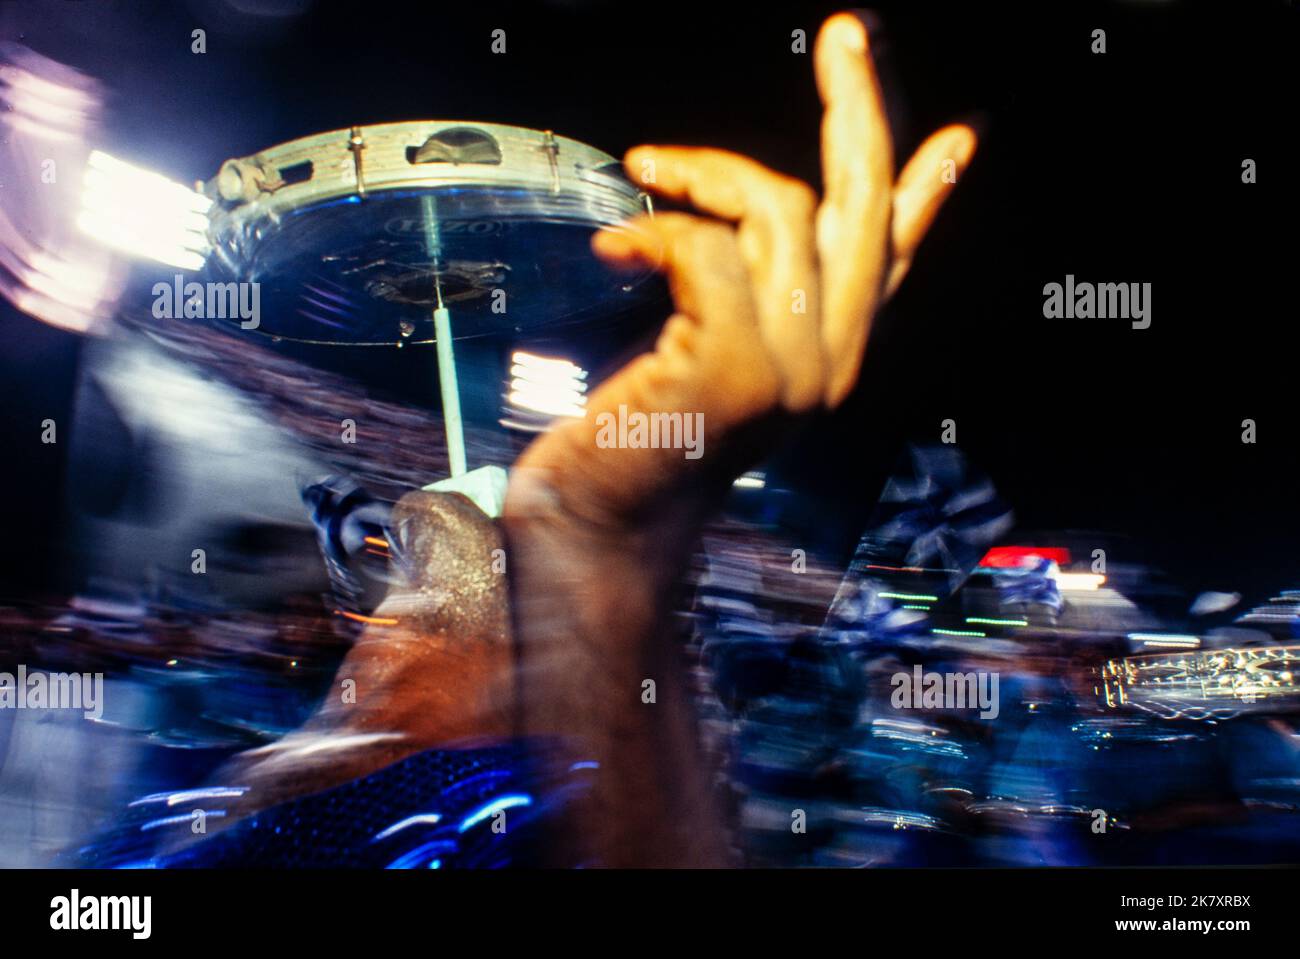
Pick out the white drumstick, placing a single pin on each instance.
(451, 420)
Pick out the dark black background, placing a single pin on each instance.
(1122, 167)
(924, 910)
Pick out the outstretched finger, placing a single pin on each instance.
(923, 186)
(853, 222)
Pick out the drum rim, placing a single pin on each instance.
(532, 159)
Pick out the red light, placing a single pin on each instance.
(1013, 557)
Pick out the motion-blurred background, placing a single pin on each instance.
(1123, 166)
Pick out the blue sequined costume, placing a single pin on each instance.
(479, 808)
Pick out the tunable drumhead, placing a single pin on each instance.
(344, 232)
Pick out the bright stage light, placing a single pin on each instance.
(1079, 582)
(143, 214)
(541, 384)
(1165, 640)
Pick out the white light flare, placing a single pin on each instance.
(46, 100)
(1079, 582)
(48, 268)
(143, 214)
(1165, 640)
(541, 384)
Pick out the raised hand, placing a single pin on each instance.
(775, 290)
